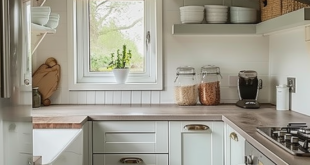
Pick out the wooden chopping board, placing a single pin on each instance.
(47, 78)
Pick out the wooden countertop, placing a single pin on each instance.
(243, 121)
(71, 122)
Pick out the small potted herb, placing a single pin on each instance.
(120, 64)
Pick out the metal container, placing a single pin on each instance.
(185, 86)
(209, 87)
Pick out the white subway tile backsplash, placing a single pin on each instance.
(73, 97)
(90, 97)
(126, 97)
(109, 97)
(117, 97)
(82, 97)
(136, 97)
(146, 97)
(100, 97)
(155, 97)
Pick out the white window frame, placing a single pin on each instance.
(79, 76)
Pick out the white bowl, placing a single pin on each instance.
(44, 10)
(234, 8)
(54, 15)
(52, 23)
(192, 8)
(216, 21)
(243, 16)
(191, 16)
(41, 9)
(216, 18)
(216, 14)
(216, 10)
(215, 7)
(40, 20)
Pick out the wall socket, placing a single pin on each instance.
(291, 83)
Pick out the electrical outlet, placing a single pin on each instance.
(291, 83)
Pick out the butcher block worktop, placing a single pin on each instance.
(243, 121)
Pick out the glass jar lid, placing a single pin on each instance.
(186, 70)
(210, 69)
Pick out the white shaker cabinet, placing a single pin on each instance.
(196, 143)
(120, 159)
(130, 142)
(234, 147)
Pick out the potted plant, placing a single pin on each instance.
(120, 64)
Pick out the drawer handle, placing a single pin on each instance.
(234, 136)
(131, 160)
(196, 127)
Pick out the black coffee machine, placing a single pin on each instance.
(248, 88)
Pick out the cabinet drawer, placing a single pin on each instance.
(130, 137)
(121, 159)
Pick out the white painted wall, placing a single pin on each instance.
(230, 53)
(289, 57)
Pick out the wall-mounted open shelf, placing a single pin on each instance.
(294, 19)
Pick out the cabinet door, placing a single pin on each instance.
(73, 154)
(235, 147)
(120, 159)
(199, 146)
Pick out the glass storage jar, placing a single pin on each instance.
(36, 97)
(185, 86)
(209, 87)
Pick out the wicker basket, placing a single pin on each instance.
(274, 8)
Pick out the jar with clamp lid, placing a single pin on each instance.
(185, 86)
(209, 87)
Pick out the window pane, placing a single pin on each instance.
(113, 24)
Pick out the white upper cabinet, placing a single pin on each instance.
(196, 143)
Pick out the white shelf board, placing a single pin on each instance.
(41, 29)
(214, 29)
(290, 20)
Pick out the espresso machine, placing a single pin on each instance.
(248, 88)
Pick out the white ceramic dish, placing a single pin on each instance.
(216, 6)
(218, 22)
(52, 24)
(192, 8)
(44, 10)
(216, 14)
(214, 10)
(54, 15)
(243, 16)
(191, 16)
(40, 20)
(233, 8)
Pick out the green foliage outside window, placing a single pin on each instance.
(106, 35)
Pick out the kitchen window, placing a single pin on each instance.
(100, 27)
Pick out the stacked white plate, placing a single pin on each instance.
(243, 15)
(216, 13)
(191, 14)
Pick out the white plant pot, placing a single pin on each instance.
(121, 75)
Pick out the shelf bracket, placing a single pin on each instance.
(39, 39)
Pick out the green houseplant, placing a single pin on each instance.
(120, 64)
